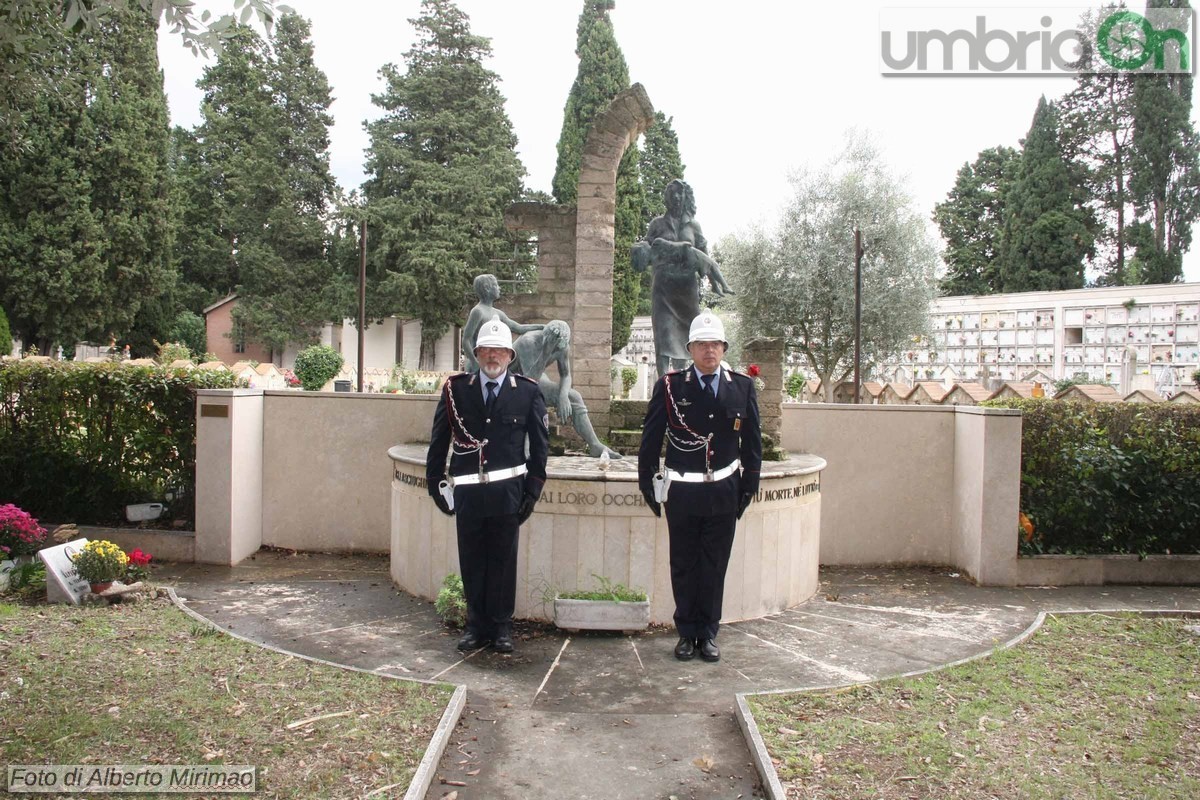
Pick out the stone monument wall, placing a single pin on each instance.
(580, 290)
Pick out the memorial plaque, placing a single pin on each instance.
(63, 584)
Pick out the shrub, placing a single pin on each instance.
(451, 605)
(20, 534)
(5, 335)
(189, 329)
(80, 441)
(317, 365)
(628, 379)
(173, 351)
(1109, 477)
(1196, 378)
(794, 385)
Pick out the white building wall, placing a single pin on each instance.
(1061, 333)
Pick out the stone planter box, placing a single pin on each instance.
(601, 615)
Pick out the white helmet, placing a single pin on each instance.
(494, 334)
(707, 328)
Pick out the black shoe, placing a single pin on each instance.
(503, 643)
(686, 649)
(709, 650)
(473, 641)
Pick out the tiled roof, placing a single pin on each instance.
(1094, 392)
(1144, 396)
(935, 389)
(1019, 388)
(976, 391)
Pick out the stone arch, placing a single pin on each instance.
(576, 251)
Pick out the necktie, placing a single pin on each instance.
(491, 394)
(708, 383)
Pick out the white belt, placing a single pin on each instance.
(487, 477)
(704, 477)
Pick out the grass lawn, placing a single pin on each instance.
(1089, 707)
(145, 684)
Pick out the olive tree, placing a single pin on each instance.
(796, 282)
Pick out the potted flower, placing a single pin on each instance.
(611, 607)
(100, 563)
(20, 534)
(138, 568)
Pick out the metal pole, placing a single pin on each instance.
(362, 296)
(858, 254)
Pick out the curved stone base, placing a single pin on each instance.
(591, 523)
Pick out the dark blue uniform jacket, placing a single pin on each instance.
(732, 419)
(519, 411)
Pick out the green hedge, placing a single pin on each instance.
(1109, 477)
(80, 441)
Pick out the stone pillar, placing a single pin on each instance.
(229, 468)
(767, 354)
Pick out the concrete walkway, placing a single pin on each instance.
(612, 717)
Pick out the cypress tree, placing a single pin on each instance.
(659, 163)
(283, 285)
(1166, 169)
(971, 219)
(255, 187)
(227, 170)
(442, 167)
(602, 75)
(1046, 232)
(84, 220)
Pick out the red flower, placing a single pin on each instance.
(753, 370)
(138, 558)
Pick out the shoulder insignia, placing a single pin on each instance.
(728, 377)
(522, 377)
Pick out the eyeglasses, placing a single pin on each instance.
(708, 345)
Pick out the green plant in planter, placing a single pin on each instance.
(101, 561)
(607, 591)
(317, 365)
(451, 605)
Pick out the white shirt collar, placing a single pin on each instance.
(700, 377)
(484, 382)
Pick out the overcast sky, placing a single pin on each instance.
(757, 88)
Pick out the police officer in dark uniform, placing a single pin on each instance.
(709, 415)
(483, 420)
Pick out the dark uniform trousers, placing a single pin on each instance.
(486, 513)
(701, 517)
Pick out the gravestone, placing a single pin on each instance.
(63, 584)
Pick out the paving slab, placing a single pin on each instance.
(614, 717)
